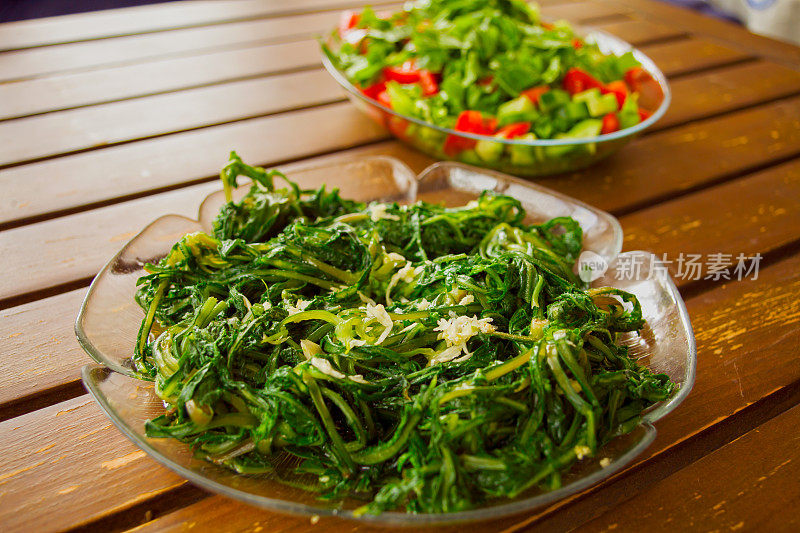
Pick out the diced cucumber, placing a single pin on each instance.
(524, 155)
(586, 128)
(629, 114)
(598, 104)
(552, 99)
(512, 110)
(489, 150)
(470, 157)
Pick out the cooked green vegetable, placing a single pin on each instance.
(415, 356)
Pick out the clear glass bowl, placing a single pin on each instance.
(109, 320)
(520, 157)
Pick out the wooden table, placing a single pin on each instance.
(111, 119)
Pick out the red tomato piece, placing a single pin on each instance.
(374, 90)
(383, 98)
(619, 89)
(577, 80)
(577, 44)
(427, 81)
(405, 73)
(644, 114)
(610, 124)
(514, 130)
(534, 93)
(469, 122)
(348, 20)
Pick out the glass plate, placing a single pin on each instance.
(109, 320)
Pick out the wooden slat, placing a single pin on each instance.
(160, 17)
(689, 55)
(84, 128)
(750, 484)
(669, 162)
(123, 82)
(640, 32)
(39, 351)
(295, 135)
(94, 87)
(106, 174)
(727, 89)
(672, 161)
(758, 213)
(736, 366)
(54, 457)
(725, 31)
(105, 53)
(38, 62)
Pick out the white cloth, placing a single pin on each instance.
(779, 19)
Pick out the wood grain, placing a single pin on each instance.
(56, 457)
(736, 366)
(640, 32)
(147, 19)
(688, 55)
(673, 161)
(755, 494)
(106, 174)
(668, 163)
(723, 31)
(107, 124)
(136, 49)
(724, 90)
(64, 91)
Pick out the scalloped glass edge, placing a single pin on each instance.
(608, 44)
(502, 184)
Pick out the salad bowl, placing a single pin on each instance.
(517, 156)
(109, 319)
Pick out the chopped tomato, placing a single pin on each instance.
(427, 81)
(547, 25)
(486, 80)
(405, 73)
(577, 44)
(577, 80)
(383, 98)
(374, 90)
(348, 20)
(610, 124)
(534, 93)
(644, 114)
(640, 81)
(469, 122)
(619, 89)
(513, 130)
(398, 126)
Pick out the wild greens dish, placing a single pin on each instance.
(416, 357)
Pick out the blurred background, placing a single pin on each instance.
(779, 19)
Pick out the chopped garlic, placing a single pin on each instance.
(358, 378)
(605, 462)
(324, 366)
(298, 307)
(460, 329)
(424, 305)
(397, 258)
(466, 300)
(448, 354)
(407, 274)
(310, 348)
(378, 312)
(582, 451)
(378, 211)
